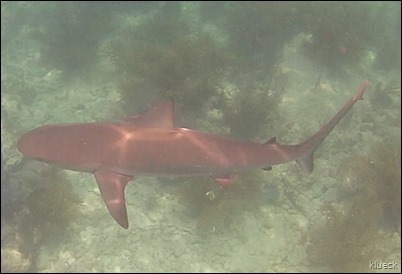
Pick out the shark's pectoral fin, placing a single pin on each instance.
(111, 186)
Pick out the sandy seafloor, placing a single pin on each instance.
(164, 238)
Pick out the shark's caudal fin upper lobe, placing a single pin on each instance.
(310, 145)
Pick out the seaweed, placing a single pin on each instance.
(184, 67)
(344, 35)
(39, 211)
(251, 113)
(343, 242)
(70, 34)
(165, 56)
(347, 239)
(53, 204)
(382, 95)
(377, 177)
(257, 32)
(216, 208)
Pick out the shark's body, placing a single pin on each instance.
(149, 144)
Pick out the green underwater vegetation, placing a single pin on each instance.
(351, 34)
(53, 203)
(258, 46)
(69, 35)
(216, 208)
(187, 70)
(161, 58)
(250, 113)
(348, 237)
(40, 205)
(337, 44)
(378, 177)
(382, 95)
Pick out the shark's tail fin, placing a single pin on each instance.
(309, 146)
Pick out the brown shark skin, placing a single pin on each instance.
(149, 144)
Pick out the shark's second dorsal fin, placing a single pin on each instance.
(159, 115)
(271, 141)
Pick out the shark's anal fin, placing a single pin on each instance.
(111, 186)
(225, 180)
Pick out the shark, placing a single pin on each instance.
(148, 144)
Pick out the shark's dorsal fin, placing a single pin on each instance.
(159, 115)
(111, 186)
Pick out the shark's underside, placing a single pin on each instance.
(149, 144)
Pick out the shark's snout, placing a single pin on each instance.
(31, 144)
(24, 144)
